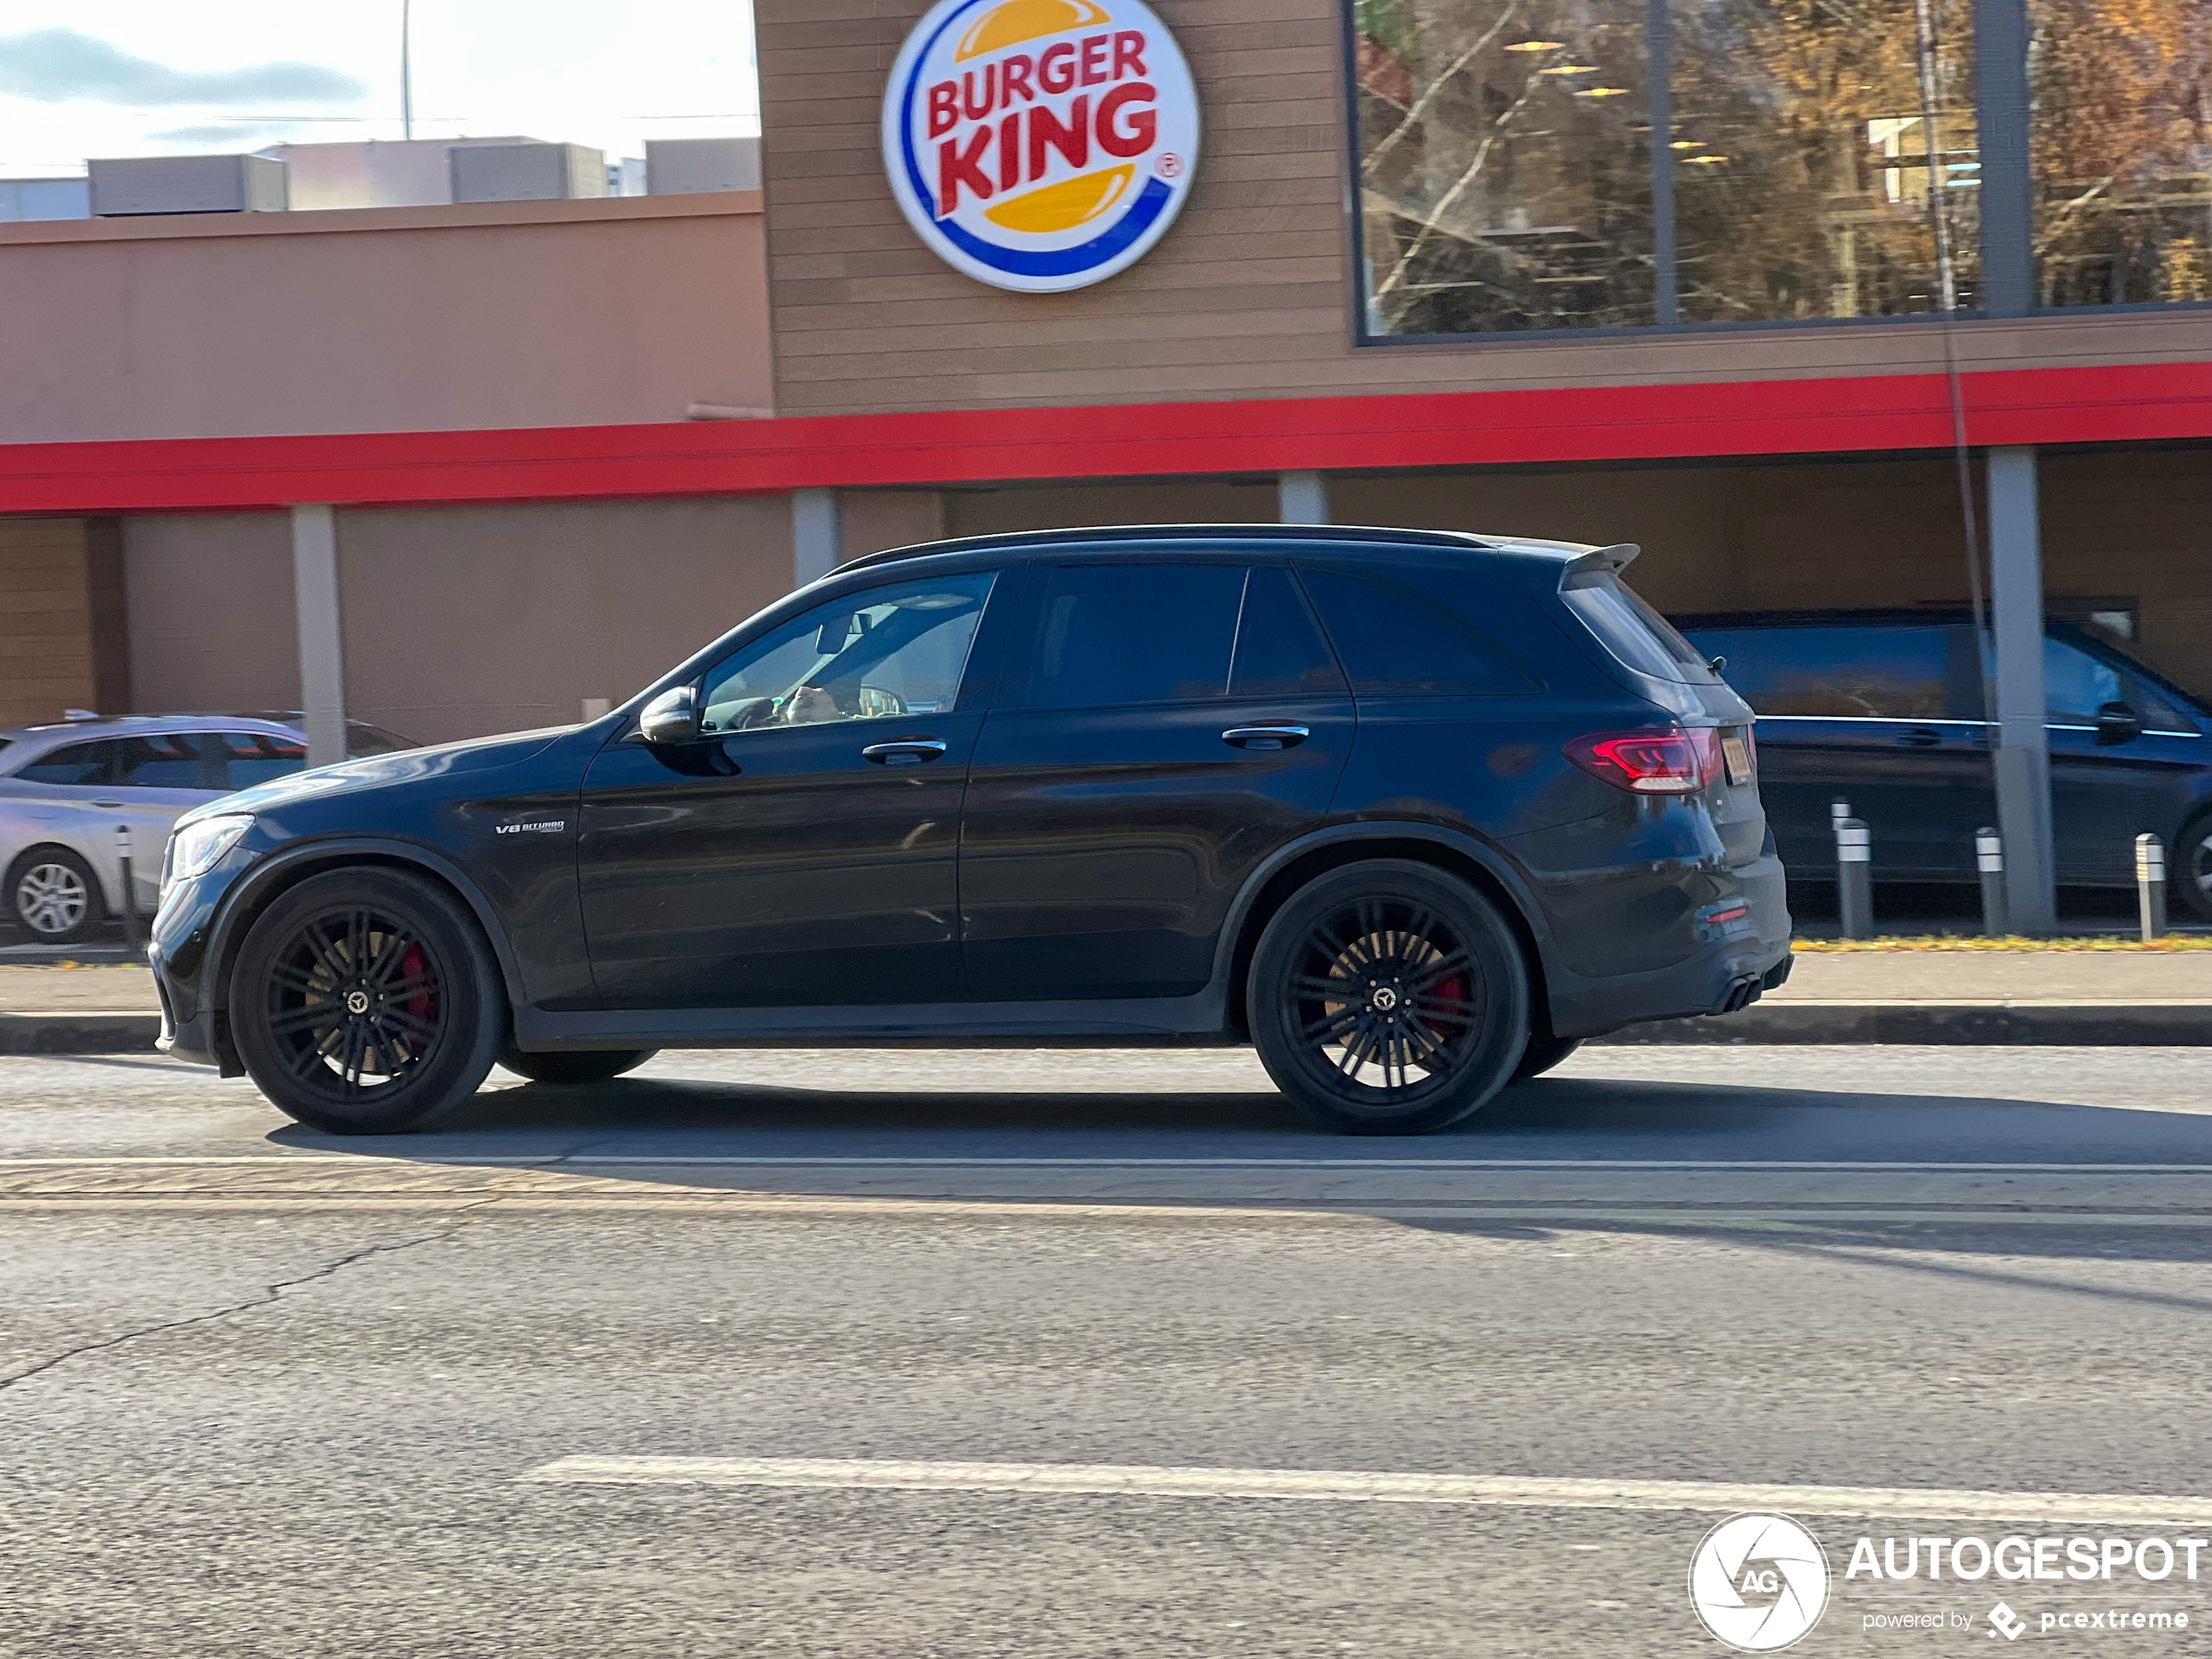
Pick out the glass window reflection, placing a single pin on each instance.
(1504, 175)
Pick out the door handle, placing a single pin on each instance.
(1265, 737)
(111, 804)
(907, 751)
(1920, 737)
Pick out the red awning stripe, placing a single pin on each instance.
(2098, 404)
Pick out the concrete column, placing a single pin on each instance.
(817, 535)
(1303, 498)
(322, 640)
(2023, 744)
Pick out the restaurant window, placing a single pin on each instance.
(1505, 165)
(2121, 142)
(1800, 152)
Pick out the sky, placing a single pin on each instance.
(80, 78)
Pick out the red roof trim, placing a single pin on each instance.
(2104, 403)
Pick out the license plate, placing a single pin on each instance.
(1736, 752)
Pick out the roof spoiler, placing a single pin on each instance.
(1594, 568)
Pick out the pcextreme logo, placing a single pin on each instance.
(1041, 144)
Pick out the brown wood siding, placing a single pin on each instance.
(1249, 295)
(46, 622)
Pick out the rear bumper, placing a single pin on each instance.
(1743, 959)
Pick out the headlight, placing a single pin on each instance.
(194, 848)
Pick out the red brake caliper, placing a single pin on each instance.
(423, 1003)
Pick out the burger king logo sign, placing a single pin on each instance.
(1041, 144)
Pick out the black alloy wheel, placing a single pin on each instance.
(586, 1066)
(2191, 877)
(1388, 998)
(362, 1003)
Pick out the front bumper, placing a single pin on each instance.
(1742, 959)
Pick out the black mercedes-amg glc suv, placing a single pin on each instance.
(1410, 812)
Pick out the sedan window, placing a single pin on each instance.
(84, 764)
(1849, 670)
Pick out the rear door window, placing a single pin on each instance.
(1395, 642)
(1279, 651)
(1849, 670)
(1109, 635)
(173, 760)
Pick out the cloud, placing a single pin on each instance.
(58, 66)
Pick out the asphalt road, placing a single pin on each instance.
(263, 1392)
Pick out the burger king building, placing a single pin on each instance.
(1602, 270)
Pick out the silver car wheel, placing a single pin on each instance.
(51, 899)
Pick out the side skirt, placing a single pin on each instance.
(1167, 1021)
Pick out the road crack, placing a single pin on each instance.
(269, 1295)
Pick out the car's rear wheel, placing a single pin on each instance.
(53, 895)
(1541, 1054)
(367, 1002)
(1388, 998)
(591, 1066)
(2191, 875)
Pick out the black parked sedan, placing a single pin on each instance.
(1410, 813)
(1885, 709)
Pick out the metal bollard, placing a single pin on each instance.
(1996, 907)
(1839, 809)
(1855, 878)
(2150, 884)
(129, 890)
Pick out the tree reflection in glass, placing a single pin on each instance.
(1802, 182)
(2122, 151)
(1505, 165)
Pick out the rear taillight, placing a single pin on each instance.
(1673, 760)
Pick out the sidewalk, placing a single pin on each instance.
(2098, 998)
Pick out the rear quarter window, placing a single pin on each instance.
(1394, 642)
(1638, 637)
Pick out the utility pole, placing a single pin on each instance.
(406, 69)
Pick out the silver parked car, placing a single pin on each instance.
(66, 789)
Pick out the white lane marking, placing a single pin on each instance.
(836, 1161)
(1366, 1486)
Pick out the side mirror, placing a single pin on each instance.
(2118, 724)
(673, 717)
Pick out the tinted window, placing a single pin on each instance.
(1394, 643)
(1279, 651)
(1894, 672)
(1634, 632)
(255, 757)
(875, 655)
(1113, 634)
(172, 761)
(82, 764)
(2075, 684)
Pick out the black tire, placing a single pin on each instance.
(2190, 876)
(591, 1066)
(1541, 1054)
(1434, 1008)
(53, 896)
(367, 1002)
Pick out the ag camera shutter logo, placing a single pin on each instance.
(1041, 145)
(1760, 1582)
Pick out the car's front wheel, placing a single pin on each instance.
(587, 1066)
(1388, 998)
(2191, 876)
(53, 895)
(367, 1002)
